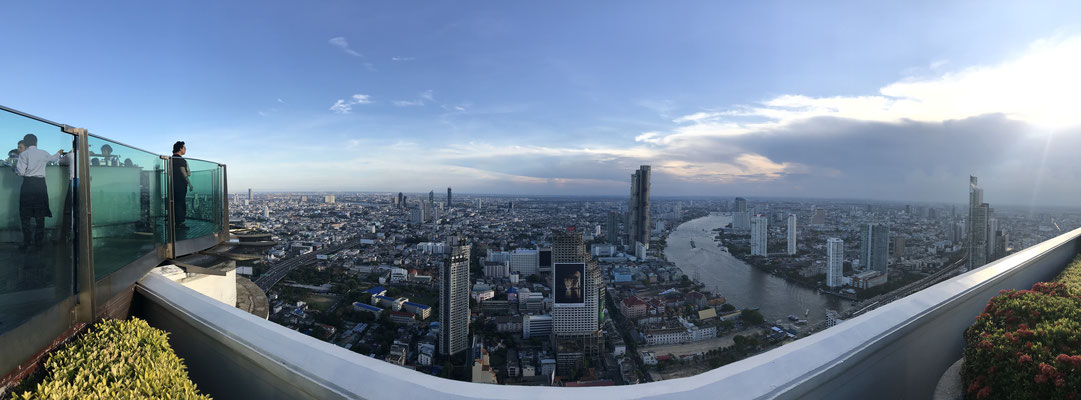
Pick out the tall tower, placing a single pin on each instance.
(875, 247)
(250, 197)
(741, 218)
(448, 198)
(454, 302)
(431, 197)
(977, 225)
(759, 235)
(613, 227)
(835, 258)
(576, 314)
(638, 218)
(791, 234)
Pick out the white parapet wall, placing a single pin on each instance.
(217, 287)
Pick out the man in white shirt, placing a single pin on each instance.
(34, 195)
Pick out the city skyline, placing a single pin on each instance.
(789, 109)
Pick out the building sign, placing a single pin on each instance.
(569, 283)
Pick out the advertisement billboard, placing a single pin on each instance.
(569, 283)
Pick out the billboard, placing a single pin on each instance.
(545, 261)
(569, 283)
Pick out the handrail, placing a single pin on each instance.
(33, 117)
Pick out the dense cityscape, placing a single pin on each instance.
(582, 291)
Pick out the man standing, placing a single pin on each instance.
(34, 195)
(181, 185)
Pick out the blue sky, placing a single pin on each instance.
(845, 99)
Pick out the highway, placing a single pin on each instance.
(280, 270)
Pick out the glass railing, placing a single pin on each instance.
(127, 194)
(201, 202)
(71, 252)
(35, 218)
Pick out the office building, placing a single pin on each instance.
(250, 196)
(448, 198)
(431, 197)
(576, 314)
(328, 199)
(759, 235)
(835, 250)
(613, 227)
(454, 302)
(791, 234)
(899, 246)
(978, 214)
(638, 217)
(525, 262)
(875, 247)
(741, 216)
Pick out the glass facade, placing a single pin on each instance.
(202, 201)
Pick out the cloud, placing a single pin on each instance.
(343, 106)
(422, 98)
(402, 58)
(343, 44)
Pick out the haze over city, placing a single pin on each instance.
(898, 102)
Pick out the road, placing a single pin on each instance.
(280, 270)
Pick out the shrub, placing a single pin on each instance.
(1071, 276)
(116, 359)
(1026, 345)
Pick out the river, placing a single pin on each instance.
(741, 284)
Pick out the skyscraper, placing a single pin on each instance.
(250, 198)
(977, 225)
(638, 218)
(741, 218)
(401, 200)
(613, 227)
(576, 314)
(448, 198)
(992, 236)
(431, 197)
(875, 247)
(791, 234)
(835, 258)
(759, 235)
(454, 301)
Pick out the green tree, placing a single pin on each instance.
(727, 307)
(752, 317)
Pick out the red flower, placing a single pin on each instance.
(1060, 382)
(1029, 345)
(1024, 359)
(1041, 378)
(984, 393)
(985, 344)
(974, 386)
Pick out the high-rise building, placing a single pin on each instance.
(899, 246)
(448, 198)
(819, 217)
(576, 313)
(759, 235)
(638, 218)
(613, 227)
(992, 236)
(454, 301)
(329, 199)
(431, 197)
(977, 225)
(250, 198)
(741, 217)
(875, 247)
(266, 211)
(401, 200)
(791, 234)
(835, 258)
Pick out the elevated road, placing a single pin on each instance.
(280, 270)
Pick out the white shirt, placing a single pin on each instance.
(68, 159)
(31, 163)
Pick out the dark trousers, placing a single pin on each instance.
(33, 205)
(180, 203)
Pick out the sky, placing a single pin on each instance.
(796, 99)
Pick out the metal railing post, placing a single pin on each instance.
(85, 309)
(225, 203)
(170, 219)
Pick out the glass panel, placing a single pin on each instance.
(202, 201)
(128, 204)
(35, 219)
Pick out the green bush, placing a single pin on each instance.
(1071, 277)
(1025, 345)
(117, 359)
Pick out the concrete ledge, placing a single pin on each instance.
(897, 351)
